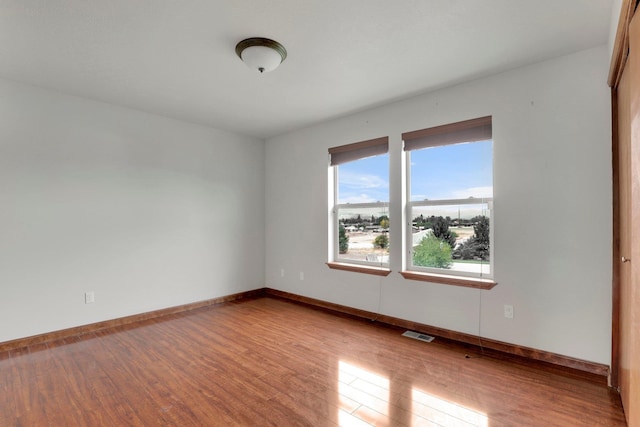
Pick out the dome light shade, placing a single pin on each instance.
(261, 54)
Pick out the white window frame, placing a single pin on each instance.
(470, 131)
(445, 202)
(355, 206)
(345, 154)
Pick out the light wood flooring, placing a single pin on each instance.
(270, 362)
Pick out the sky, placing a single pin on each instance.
(449, 172)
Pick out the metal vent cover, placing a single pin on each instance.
(418, 336)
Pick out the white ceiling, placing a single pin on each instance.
(176, 57)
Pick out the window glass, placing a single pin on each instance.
(362, 211)
(451, 196)
(364, 180)
(457, 171)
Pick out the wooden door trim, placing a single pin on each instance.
(614, 378)
(621, 45)
(617, 65)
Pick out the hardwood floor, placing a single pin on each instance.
(270, 362)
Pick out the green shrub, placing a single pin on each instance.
(343, 240)
(432, 252)
(477, 246)
(440, 227)
(381, 242)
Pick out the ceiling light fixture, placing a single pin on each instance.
(261, 54)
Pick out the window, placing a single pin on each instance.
(449, 201)
(359, 207)
(448, 235)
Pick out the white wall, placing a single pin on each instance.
(145, 211)
(616, 8)
(552, 192)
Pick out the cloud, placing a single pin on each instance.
(362, 181)
(358, 198)
(473, 192)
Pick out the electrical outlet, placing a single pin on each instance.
(282, 272)
(89, 297)
(508, 311)
(301, 275)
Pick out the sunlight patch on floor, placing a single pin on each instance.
(365, 399)
(444, 412)
(369, 389)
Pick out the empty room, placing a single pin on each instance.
(242, 213)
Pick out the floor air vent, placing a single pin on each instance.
(418, 336)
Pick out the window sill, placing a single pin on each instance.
(468, 282)
(357, 268)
